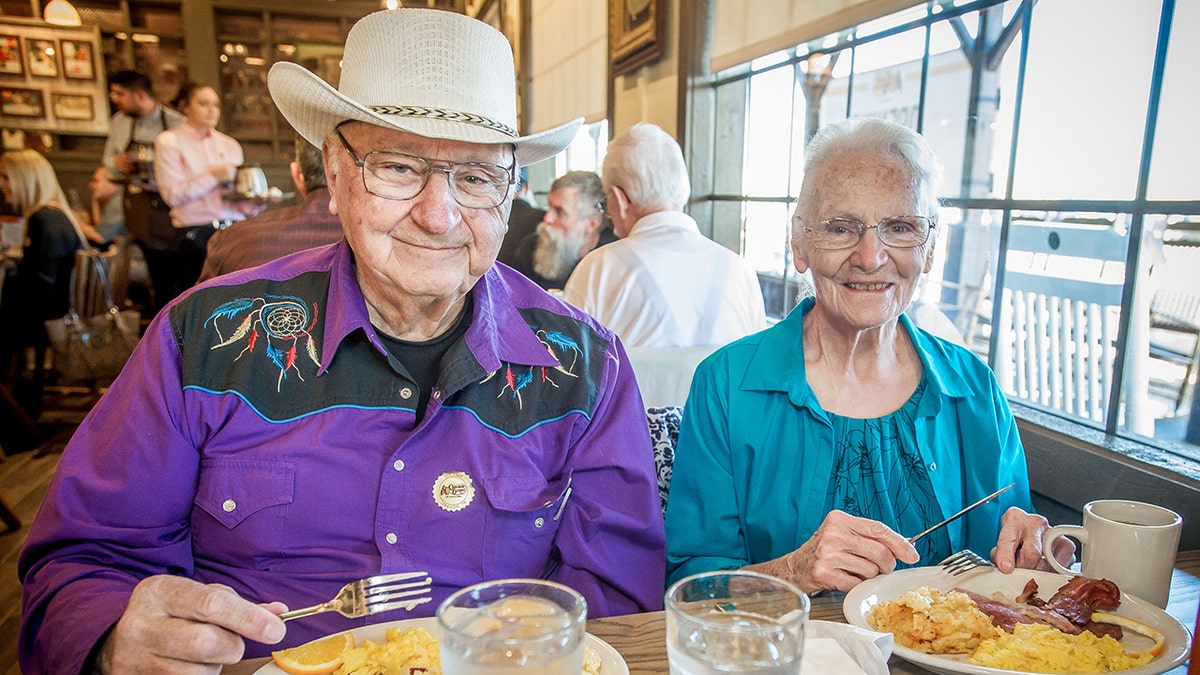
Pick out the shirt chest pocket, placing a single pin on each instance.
(245, 500)
(521, 523)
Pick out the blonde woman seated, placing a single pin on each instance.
(41, 287)
(813, 449)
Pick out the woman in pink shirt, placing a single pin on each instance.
(195, 165)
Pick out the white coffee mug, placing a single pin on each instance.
(1132, 544)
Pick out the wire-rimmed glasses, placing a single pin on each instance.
(839, 233)
(398, 176)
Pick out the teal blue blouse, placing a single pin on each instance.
(878, 474)
(755, 464)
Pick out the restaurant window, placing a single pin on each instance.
(1068, 250)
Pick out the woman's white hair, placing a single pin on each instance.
(648, 165)
(870, 136)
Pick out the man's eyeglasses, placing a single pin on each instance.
(897, 232)
(602, 205)
(395, 175)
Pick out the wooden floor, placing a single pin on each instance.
(24, 477)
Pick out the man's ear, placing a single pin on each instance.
(298, 178)
(328, 156)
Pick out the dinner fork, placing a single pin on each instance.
(372, 595)
(962, 562)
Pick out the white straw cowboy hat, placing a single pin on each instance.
(429, 72)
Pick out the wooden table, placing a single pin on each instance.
(641, 638)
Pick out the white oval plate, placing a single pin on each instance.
(611, 662)
(988, 580)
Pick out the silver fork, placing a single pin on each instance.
(373, 595)
(962, 562)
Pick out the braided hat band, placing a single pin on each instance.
(440, 114)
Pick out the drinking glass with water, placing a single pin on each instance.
(735, 622)
(513, 626)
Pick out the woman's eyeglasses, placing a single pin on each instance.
(896, 232)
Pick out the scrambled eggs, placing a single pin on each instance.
(1038, 648)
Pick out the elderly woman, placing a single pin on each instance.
(811, 450)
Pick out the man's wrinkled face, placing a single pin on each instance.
(427, 248)
(562, 233)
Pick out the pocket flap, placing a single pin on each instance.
(233, 490)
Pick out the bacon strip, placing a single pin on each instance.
(1069, 609)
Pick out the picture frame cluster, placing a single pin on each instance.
(50, 79)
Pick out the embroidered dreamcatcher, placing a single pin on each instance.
(283, 322)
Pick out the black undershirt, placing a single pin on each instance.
(423, 360)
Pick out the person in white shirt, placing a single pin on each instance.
(663, 284)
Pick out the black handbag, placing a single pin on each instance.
(96, 347)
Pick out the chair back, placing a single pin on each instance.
(664, 433)
(664, 374)
(90, 298)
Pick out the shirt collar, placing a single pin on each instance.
(661, 220)
(778, 364)
(498, 333)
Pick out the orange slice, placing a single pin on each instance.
(1135, 626)
(319, 657)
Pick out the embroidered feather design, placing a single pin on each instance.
(284, 321)
(239, 333)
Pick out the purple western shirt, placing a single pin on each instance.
(261, 437)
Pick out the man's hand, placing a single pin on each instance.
(177, 625)
(1020, 543)
(125, 163)
(843, 552)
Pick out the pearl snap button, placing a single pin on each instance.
(437, 393)
(933, 466)
(229, 505)
(539, 523)
(391, 537)
(398, 465)
(406, 393)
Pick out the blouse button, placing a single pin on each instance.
(406, 393)
(228, 505)
(398, 465)
(391, 537)
(539, 523)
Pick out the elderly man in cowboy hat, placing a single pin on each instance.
(390, 403)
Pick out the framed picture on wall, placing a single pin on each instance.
(77, 59)
(72, 106)
(635, 33)
(43, 57)
(11, 62)
(16, 102)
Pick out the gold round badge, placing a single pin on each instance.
(453, 491)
